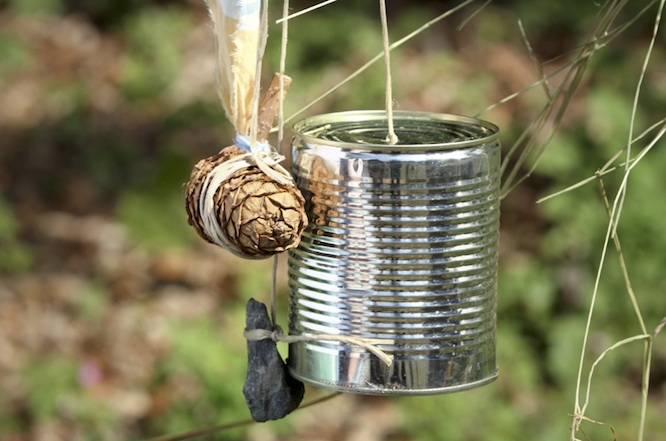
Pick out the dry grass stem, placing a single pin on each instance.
(614, 214)
(378, 57)
(304, 11)
(607, 169)
(191, 434)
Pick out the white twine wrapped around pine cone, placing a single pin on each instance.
(233, 203)
(241, 198)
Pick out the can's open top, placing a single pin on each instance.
(368, 130)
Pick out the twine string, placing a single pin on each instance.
(391, 138)
(277, 335)
(261, 154)
(261, 47)
(280, 122)
(283, 63)
(267, 161)
(370, 344)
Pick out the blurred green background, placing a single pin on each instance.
(117, 322)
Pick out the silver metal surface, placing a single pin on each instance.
(402, 245)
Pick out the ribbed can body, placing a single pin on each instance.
(402, 245)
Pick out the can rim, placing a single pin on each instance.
(309, 129)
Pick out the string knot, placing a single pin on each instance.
(264, 334)
(277, 335)
(244, 142)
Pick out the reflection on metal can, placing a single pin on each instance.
(402, 245)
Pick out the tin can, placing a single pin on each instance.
(402, 244)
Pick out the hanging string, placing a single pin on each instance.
(277, 335)
(391, 138)
(283, 63)
(370, 344)
(263, 38)
(260, 151)
(379, 56)
(273, 305)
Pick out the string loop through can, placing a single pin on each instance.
(402, 244)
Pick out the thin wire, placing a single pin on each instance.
(391, 138)
(286, 17)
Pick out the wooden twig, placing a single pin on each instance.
(270, 104)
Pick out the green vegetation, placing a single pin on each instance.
(101, 140)
(156, 52)
(16, 256)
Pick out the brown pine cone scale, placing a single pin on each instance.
(258, 216)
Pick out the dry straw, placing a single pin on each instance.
(241, 199)
(527, 152)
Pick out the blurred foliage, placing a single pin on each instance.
(126, 155)
(154, 212)
(14, 55)
(16, 256)
(155, 54)
(201, 359)
(37, 7)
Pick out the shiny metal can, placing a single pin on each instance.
(402, 245)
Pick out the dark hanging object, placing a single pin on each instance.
(270, 392)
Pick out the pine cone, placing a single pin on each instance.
(258, 216)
